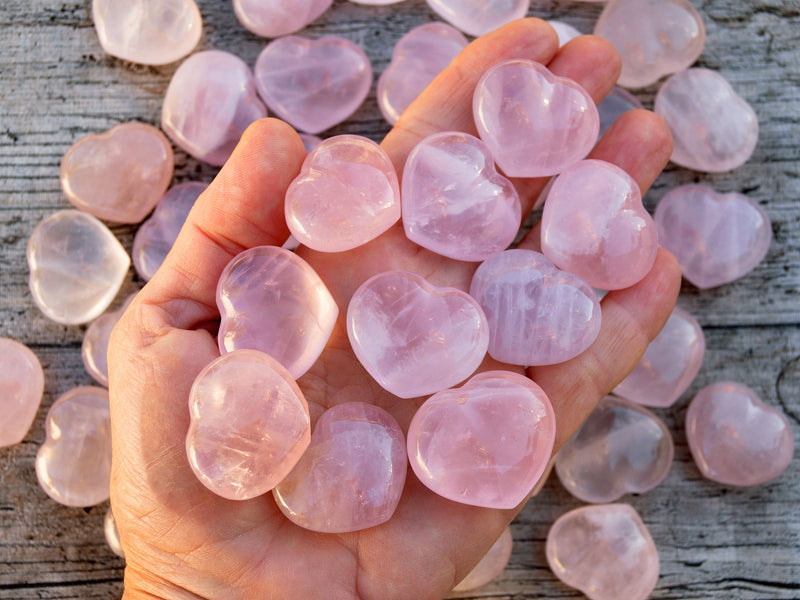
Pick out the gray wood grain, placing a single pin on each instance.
(715, 542)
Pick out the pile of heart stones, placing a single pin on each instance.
(523, 307)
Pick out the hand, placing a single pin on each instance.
(182, 541)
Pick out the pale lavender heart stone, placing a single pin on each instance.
(94, 348)
(565, 31)
(477, 17)
(490, 566)
(310, 141)
(112, 534)
(275, 18)
(21, 389)
(614, 105)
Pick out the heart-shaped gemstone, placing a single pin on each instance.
(486, 443)
(594, 225)
(653, 37)
(276, 18)
(352, 475)
(151, 33)
(716, 238)
(537, 314)
(565, 31)
(95, 343)
(112, 534)
(735, 438)
(313, 84)
(210, 101)
(21, 389)
(249, 424)
(617, 102)
(491, 565)
(477, 17)
(454, 201)
(346, 194)
(271, 300)
(535, 124)
(414, 338)
(118, 175)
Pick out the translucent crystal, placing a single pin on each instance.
(617, 102)
(565, 31)
(490, 566)
(95, 343)
(21, 389)
(112, 534)
(477, 17)
(275, 18)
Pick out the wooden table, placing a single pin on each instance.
(715, 542)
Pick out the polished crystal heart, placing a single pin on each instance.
(21, 389)
(271, 300)
(94, 347)
(491, 565)
(414, 338)
(736, 438)
(352, 475)
(477, 17)
(313, 84)
(716, 238)
(454, 201)
(276, 18)
(486, 443)
(346, 194)
(565, 31)
(76, 267)
(594, 225)
(535, 124)
(112, 534)
(249, 424)
(537, 314)
(617, 102)
(146, 31)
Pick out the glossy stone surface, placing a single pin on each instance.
(154, 239)
(605, 551)
(76, 267)
(486, 443)
(352, 475)
(21, 389)
(95, 343)
(565, 31)
(620, 448)
(594, 225)
(735, 438)
(713, 128)
(454, 201)
(535, 124)
(345, 195)
(617, 102)
(210, 101)
(716, 238)
(418, 57)
(414, 338)
(313, 84)
(74, 463)
(147, 32)
(491, 565)
(112, 534)
(271, 300)
(118, 175)
(249, 424)
(653, 37)
(537, 314)
(310, 141)
(477, 17)
(669, 365)
(275, 18)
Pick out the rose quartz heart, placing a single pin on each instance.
(275, 18)
(112, 534)
(310, 141)
(535, 124)
(565, 31)
(454, 201)
(21, 389)
(617, 102)
(346, 194)
(352, 475)
(491, 565)
(271, 300)
(594, 225)
(249, 424)
(313, 84)
(735, 438)
(716, 238)
(118, 175)
(486, 443)
(414, 338)
(477, 17)
(95, 343)
(537, 314)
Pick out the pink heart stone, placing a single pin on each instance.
(605, 551)
(310, 141)
(118, 175)
(74, 463)
(76, 267)
(486, 443)
(537, 314)
(535, 124)
(713, 128)
(735, 438)
(620, 448)
(313, 84)
(276, 18)
(112, 534)
(490, 566)
(454, 201)
(669, 365)
(249, 424)
(346, 194)
(418, 57)
(477, 17)
(352, 475)
(21, 389)
(271, 300)
(617, 102)
(653, 37)
(594, 225)
(565, 31)
(210, 101)
(95, 343)
(716, 238)
(151, 33)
